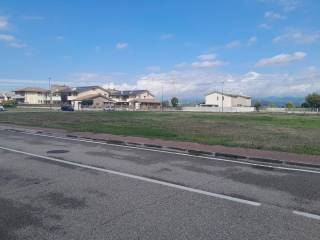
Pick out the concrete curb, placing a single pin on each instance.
(194, 152)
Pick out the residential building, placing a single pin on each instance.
(135, 99)
(78, 92)
(34, 95)
(219, 99)
(94, 101)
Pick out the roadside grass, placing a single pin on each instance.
(281, 132)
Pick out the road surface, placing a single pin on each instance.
(56, 188)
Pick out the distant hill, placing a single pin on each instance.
(278, 101)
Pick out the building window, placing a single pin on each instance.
(217, 98)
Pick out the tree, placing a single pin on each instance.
(289, 105)
(174, 102)
(313, 100)
(257, 105)
(165, 103)
(304, 105)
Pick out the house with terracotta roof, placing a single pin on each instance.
(92, 101)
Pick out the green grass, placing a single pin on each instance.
(281, 132)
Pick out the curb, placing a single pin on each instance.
(193, 152)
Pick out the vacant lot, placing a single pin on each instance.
(290, 133)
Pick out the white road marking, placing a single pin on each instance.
(145, 179)
(308, 215)
(175, 153)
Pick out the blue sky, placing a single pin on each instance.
(256, 47)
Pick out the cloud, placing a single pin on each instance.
(3, 23)
(33, 18)
(207, 64)
(286, 5)
(252, 40)
(264, 26)
(233, 44)
(122, 45)
(207, 57)
(297, 37)
(281, 59)
(167, 36)
(7, 38)
(17, 45)
(203, 61)
(11, 41)
(153, 68)
(191, 82)
(274, 16)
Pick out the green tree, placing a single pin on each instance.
(313, 100)
(257, 105)
(174, 102)
(289, 105)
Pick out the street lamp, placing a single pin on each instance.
(50, 93)
(222, 97)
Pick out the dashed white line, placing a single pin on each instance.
(145, 179)
(307, 215)
(175, 153)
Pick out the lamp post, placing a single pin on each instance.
(222, 97)
(50, 93)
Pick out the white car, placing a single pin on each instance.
(1, 108)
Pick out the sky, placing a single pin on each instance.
(183, 48)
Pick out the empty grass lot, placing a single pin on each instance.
(289, 133)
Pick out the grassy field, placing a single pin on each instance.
(289, 133)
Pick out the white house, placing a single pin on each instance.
(219, 99)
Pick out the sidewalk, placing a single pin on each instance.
(234, 153)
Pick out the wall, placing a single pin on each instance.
(219, 109)
(215, 99)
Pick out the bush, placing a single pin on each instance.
(9, 104)
(257, 105)
(289, 105)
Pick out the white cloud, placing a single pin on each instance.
(153, 68)
(274, 16)
(3, 23)
(297, 37)
(10, 41)
(233, 44)
(6, 38)
(252, 40)
(281, 59)
(17, 45)
(206, 57)
(122, 45)
(286, 5)
(203, 61)
(207, 64)
(167, 36)
(264, 26)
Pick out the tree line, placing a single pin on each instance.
(312, 100)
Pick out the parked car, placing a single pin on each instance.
(1, 108)
(67, 108)
(109, 109)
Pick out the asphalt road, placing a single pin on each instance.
(54, 188)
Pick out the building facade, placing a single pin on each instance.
(219, 99)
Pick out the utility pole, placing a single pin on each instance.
(50, 93)
(222, 97)
(161, 97)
